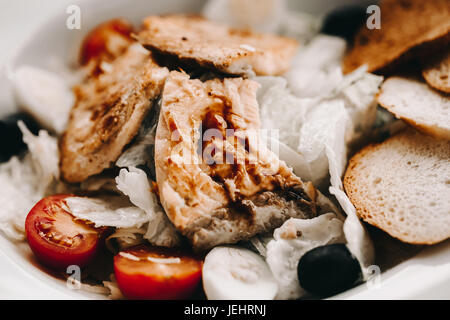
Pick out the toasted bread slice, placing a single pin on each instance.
(408, 28)
(402, 186)
(437, 72)
(108, 112)
(416, 103)
(196, 41)
(230, 187)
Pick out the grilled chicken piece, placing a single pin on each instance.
(108, 112)
(227, 186)
(196, 41)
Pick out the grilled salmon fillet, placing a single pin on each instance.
(227, 186)
(196, 41)
(108, 112)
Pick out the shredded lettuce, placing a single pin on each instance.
(45, 95)
(125, 238)
(341, 117)
(280, 110)
(261, 15)
(25, 181)
(358, 240)
(327, 123)
(285, 250)
(134, 183)
(318, 126)
(315, 70)
(107, 211)
(264, 16)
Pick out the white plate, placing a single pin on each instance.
(426, 276)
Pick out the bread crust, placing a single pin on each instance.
(367, 205)
(409, 28)
(439, 130)
(437, 72)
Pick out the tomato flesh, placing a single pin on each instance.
(145, 272)
(108, 40)
(56, 238)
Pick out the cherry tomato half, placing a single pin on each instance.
(108, 38)
(145, 272)
(56, 238)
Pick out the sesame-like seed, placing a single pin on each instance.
(45, 226)
(57, 237)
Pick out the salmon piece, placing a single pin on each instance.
(108, 112)
(228, 187)
(196, 41)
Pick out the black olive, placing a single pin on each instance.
(344, 22)
(11, 142)
(328, 270)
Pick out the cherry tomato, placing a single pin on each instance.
(107, 39)
(56, 238)
(145, 272)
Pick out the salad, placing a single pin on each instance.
(197, 156)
